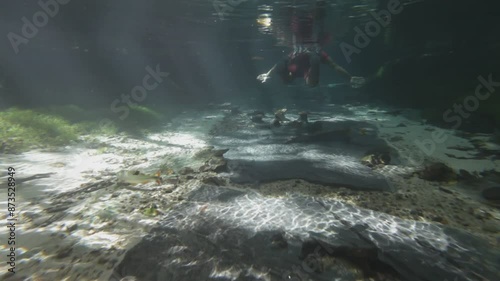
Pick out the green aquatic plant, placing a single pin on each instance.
(146, 111)
(140, 120)
(96, 128)
(89, 120)
(143, 116)
(70, 112)
(102, 150)
(151, 210)
(21, 129)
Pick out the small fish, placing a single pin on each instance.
(257, 58)
(135, 177)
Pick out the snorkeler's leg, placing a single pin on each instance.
(283, 71)
(312, 75)
(320, 10)
(322, 37)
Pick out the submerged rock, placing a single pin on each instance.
(278, 241)
(257, 118)
(280, 115)
(214, 180)
(491, 193)
(276, 122)
(362, 260)
(186, 170)
(215, 164)
(466, 176)
(209, 152)
(376, 159)
(295, 124)
(242, 233)
(214, 159)
(257, 112)
(437, 172)
(303, 117)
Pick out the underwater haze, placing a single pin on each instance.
(237, 140)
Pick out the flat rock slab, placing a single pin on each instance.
(358, 177)
(323, 152)
(225, 234)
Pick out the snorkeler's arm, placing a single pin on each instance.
(338, 68)
(265, 76)
(272, 69)
(355, 81)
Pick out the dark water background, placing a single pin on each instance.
(91, 51)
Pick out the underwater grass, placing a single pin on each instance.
(24, 129)
(21, 129)
(139, 121)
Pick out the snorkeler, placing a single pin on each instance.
(307, 55)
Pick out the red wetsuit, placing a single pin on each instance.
(307, 43)
(307, 40)
(299, 63)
